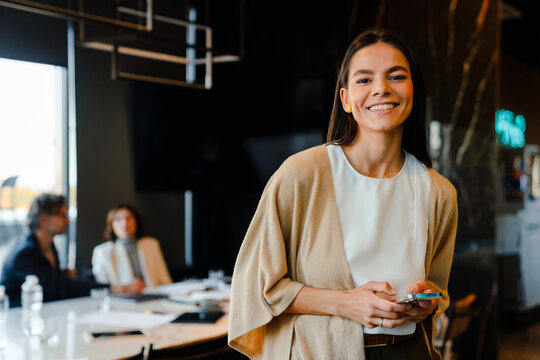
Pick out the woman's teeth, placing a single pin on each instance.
(382, 107)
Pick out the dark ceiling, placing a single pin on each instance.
(521, 31)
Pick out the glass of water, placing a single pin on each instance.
(101, 298)
(50, 334)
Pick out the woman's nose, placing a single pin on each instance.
(381, 88)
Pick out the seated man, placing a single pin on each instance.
(35, 254)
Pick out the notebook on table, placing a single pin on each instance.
(202, 317)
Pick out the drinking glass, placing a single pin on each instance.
(101, 298)
(50, 335)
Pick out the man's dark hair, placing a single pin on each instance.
(49, 204)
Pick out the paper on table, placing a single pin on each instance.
(128, 319)
(218, 294)
(181, 288)
(194, 289)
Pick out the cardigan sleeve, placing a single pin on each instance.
(443, 247)
(262, 288)
(442, 252)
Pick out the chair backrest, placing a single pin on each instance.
(476, 272)
(460, 316)
(454, 323)
(8, 226)
(155, 271)
(8, 183)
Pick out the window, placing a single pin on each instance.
(36, 145)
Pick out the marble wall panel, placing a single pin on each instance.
(457, 45)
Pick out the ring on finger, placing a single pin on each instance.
(381, 325)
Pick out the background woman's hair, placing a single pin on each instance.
(49, 204)
(109, 231)
(342, 129)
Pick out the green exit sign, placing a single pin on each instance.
(510, 128)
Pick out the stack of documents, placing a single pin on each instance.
(195, 290)
(128, 319)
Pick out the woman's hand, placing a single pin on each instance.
(425, 307)
(365, 306)
(134, 287)
(69, 272)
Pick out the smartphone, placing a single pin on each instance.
(414, 298)
(115, 335)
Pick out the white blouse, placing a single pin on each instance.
(384, 223)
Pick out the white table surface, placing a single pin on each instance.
(72, 344)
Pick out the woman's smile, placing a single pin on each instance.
(383, 108)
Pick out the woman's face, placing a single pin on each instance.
(124, 223)
(380, 88)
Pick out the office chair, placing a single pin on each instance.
(8, 183)
(455, 323)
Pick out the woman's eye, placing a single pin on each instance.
(397, 77)
(362, 81)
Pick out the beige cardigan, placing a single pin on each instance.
(294, 240)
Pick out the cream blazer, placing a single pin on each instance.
(110, 263)
(294, 240)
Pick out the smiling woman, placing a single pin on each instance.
(321, 238)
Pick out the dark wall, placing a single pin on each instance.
(106, 174)
(104, 161)
(521, 83)
(31, 37)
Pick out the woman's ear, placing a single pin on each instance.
(344, 95)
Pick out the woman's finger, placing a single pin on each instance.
(418, 312)
(389, 305)
(427, 304)
(421, 315)
(378, 313)
(380, 287)
(390, 323)
(419, 287)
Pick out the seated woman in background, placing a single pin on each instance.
(126, 257)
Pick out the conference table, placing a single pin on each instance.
(68, 323)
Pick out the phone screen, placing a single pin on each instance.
(415, 298)
(427, 296)
(103, 335)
